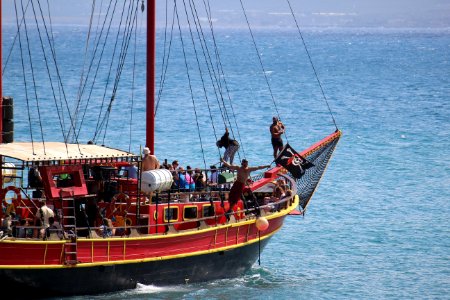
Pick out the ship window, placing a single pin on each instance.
(171, 214)
(190, 212)
(208, 210)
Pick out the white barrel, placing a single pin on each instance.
(8, 173)
(156, 180)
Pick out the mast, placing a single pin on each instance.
(151, 58)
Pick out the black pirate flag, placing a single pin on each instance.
(293, 162)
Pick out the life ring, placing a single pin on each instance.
(116, 205)
(15, 201)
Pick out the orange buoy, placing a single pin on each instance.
(262, 223)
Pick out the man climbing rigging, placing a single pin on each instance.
(231, 146)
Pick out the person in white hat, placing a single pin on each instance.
(149, 162)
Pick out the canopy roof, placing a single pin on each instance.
(33, 152)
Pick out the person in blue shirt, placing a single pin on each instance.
(182, 179)
(107, 228)
(131, 171)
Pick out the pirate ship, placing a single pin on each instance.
(162, 234)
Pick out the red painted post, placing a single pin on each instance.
(1, 81)
(151, 57)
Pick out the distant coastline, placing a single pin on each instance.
(266, 13)
(333, 29)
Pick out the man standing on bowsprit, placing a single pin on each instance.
(276, 130)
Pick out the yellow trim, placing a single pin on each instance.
(190, 206)
(248, 232)
(61, 256)
(226, 235)
(225, 227)
(337, 136)
(171, 220)
(45, 252)
(160, 236)
(124, 249)
(159, 258)
(92, 251)
(203, 209)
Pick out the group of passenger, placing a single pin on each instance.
(280, 191)
(186, 180)
(44, 225)
(13, 225)
(190, 179)
(194, 180)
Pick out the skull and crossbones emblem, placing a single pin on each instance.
(294, 159)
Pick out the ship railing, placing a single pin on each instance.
(249, 211)
(202, 223)
(38, 233)
(211, 190)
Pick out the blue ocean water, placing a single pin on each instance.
(378, 225)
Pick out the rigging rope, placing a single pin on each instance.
(47, 63)
(222, 75)
(33, 77)
(19, 25)
(122, 57)
(165, 61)
(190, 86)
(214, 73)
(86, 48)
(60, 85)
(261, 63)
(110, 15)
(208, 59)
(133, 81)
(311, 62)
(23, 71)
(210, 66)
(101, 125)
(199, 67)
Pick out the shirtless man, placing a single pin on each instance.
(243, 172)
(276, 130)
(149, 162)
